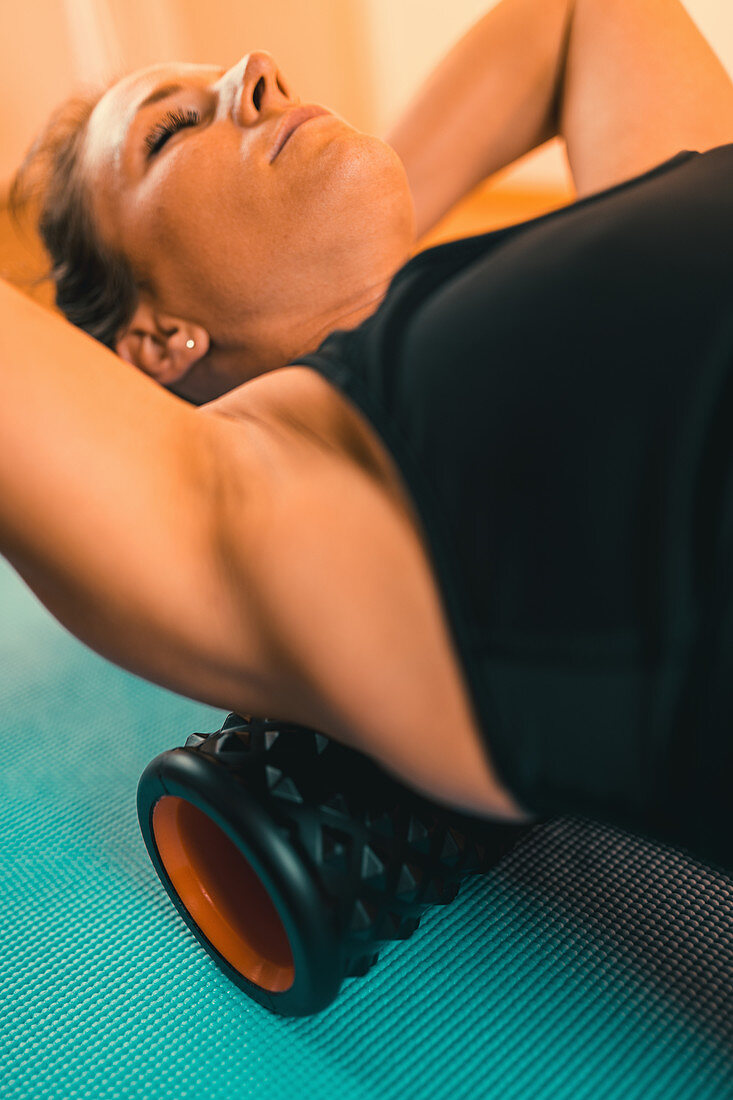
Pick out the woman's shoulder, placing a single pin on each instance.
(299, 403)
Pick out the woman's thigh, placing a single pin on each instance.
(640, 84)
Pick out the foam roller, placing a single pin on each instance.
(293, 859)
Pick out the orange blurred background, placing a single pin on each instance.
(362, 58)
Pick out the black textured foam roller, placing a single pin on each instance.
(292, 858)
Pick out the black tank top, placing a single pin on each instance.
(558, 397)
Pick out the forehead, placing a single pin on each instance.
(111, 118)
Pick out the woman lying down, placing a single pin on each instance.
(467, 510)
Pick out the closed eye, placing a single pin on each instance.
(170, 124)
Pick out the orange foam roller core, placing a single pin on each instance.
(223, 894)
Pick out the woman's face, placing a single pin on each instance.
(262, 248)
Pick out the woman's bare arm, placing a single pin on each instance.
(626, 84)
(488, 102)
(155, 533)
(640, 83)
(110, 511)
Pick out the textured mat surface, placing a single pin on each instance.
(587, 964)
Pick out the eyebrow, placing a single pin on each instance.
(160, 93)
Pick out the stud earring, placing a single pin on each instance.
(190, 343)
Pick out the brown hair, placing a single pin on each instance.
(95, 288)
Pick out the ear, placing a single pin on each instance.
(163, 346)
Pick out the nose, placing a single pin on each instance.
(257, 87)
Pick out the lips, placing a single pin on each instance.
(292, 120)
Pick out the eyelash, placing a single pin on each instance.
(172, 122)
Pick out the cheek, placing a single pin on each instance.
(197, 243)
(220, 228)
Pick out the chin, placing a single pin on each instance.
(370, 180)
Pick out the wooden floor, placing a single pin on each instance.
(22, 259)
(493, 207)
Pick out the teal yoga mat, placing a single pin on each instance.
(587, 964)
